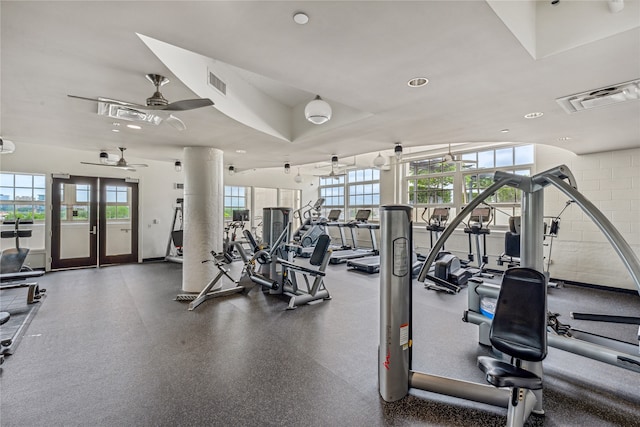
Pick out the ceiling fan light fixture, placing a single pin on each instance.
(298, 178)
(178, 166)
(318, 111)
(398, 151)
(379, 161)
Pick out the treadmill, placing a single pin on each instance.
(360, 221)
(436, 225)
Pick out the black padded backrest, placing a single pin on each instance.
(252, 241)
(322, 246)
(519, 326)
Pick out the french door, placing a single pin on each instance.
(94, 222)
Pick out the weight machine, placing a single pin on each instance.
(525, 379)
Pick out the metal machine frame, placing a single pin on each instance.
(394, 368)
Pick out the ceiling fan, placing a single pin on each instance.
(157, 107)
(120, 163)
(451, 158)
(333, 174)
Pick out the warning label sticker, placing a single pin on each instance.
(404, 336)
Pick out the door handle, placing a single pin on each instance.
(94, 230)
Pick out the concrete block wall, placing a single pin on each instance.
(611, 181)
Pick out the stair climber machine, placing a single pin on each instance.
(623, 354)
(360, 222)
(450, 274)
(312, 226)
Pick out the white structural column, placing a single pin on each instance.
(203, 215)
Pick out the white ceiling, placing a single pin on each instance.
(357, 54)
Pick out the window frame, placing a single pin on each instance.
(465, 168)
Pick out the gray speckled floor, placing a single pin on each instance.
(110, 347)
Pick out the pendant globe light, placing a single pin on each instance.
(379, 161)
(318, 111)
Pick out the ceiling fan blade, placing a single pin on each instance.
(175, 122)
(99, 164)
(109, 101)
(135, 165)
(187, 104)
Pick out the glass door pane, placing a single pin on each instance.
(74, 222)
(118, 221)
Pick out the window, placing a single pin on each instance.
(358, 189)
(430, 182)
(22, 196)
(332, 190)
(364, 192)
(435, 183)
(234, 198)
(117, 202)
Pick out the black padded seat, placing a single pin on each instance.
(4, 317)
(503, 374)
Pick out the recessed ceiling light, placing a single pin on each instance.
(134, 127)
(115, 130)
(418, 82)
(564, 138)
(533, 115)
(241, 151)
(504, 130)
(300, 18)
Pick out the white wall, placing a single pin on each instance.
(611, 180)
(156, 185)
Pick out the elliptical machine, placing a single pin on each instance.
(478, 226)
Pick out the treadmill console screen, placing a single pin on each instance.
(334, 215)
(363, 215)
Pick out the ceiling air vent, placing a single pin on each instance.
(217, 83)
(622, 92)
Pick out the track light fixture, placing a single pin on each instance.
(287, 168)
(398, 151)
(232, 170)
(178, 166)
